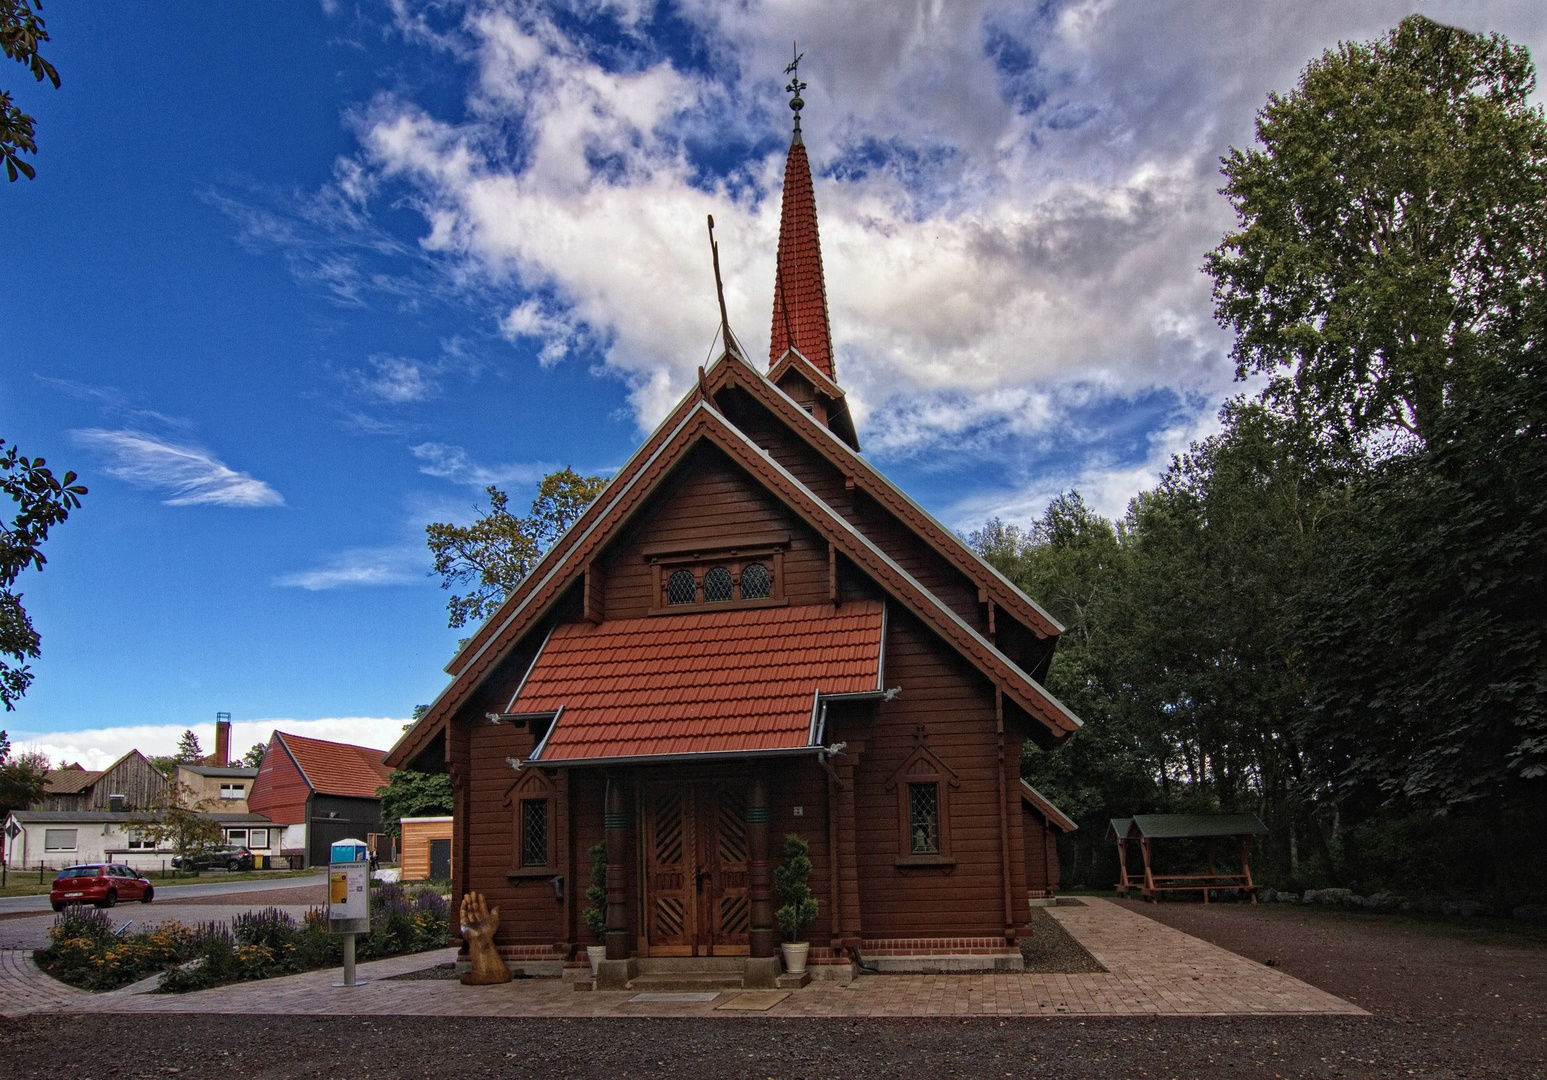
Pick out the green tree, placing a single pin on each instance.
(792, 885)
(413, 794)
(179, 819)
(1393, 221)
(189, 752)
(254, 756)
(499, 550)
(21, 778)
(21, 33)
(43, 501)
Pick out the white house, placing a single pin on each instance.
(57, 838)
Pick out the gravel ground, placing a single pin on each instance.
(1451, 1002)
(1050, 950)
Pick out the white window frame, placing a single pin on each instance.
(48, 844)
(233, 792)
(252, 839)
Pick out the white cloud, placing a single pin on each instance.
(97, 748)
(361, 566)
(193, 476)
(395, 381)
(453, 463)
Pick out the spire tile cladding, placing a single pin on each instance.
(800, 288)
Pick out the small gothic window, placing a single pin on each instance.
(717, 585)
(534, 832)
(756, 581)
(924, 818)
(681, 589)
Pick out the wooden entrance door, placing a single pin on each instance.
(696, 898)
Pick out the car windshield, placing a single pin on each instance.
(79, 871)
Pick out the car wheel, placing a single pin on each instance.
(58, 907)
(149, 895)
(110, 900)
(233, 865)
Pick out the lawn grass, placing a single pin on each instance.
(25, 882)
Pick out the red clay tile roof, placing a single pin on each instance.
(333, 768)
(800, 289)
(710, 682)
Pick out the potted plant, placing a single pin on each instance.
(797, 907)
(595, 914)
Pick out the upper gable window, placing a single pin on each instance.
(730, 576)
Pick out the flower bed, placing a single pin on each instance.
(85, 952)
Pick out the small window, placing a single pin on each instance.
(233, 791)
(681, 589)
(534, 832)
(237, 836)
(756, 582)
(140, 843)
(59, 839)
(717, 585)
(924, 818)
(258, 838)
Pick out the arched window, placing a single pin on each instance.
(756, 581)
(717, 585)
(681, 589)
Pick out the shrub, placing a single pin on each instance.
(798, 909)
(595, 914)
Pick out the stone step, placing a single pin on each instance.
(686, 981)
(666, 965)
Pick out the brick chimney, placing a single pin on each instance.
(222, 755)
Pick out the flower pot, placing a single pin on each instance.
(795, 956)
(596, 954)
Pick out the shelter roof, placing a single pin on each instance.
(332, 768)
(70, 781)
(739, 682)
(1186, 826)
(1041, 803)
(220, 771)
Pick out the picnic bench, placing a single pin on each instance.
(1147, 828)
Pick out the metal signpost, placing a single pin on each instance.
(349, 899)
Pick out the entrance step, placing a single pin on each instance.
(666, 965)
(686, 980)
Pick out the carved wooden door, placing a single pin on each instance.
(725, 906)
(671, 911)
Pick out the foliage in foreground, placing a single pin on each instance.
(85, 952)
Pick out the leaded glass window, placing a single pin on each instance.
(681, 588)
(534, 832)
(756, 581)
(924, 818)
(717, 585)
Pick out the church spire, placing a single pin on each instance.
(800, 290)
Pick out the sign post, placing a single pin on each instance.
(349, 899)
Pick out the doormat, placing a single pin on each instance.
(755, 1000)
(668, 997)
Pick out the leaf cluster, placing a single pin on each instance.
(21, 34)
(594, 914)
(179, 819)
(413, 794)
(791, 882)
(498, 550)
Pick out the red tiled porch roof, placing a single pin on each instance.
(722, 682)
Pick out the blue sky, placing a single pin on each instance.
(296, 279)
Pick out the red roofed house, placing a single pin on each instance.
(750, 633)
(320, 792)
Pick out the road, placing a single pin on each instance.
(10, 905)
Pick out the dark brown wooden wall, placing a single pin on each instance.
(709, 501)
(1041, 852)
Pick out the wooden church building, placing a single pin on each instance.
(751, 633)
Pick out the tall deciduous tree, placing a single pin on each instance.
(498, 550)
(413, 794)
(180, 819)
(21, 778)
(42, 501)
(21, 34)
(1393, 221)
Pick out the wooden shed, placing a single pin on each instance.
(752, 632)
(426, 848)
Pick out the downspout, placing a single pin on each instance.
(1004, 818)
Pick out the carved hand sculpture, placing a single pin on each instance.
(479, 922)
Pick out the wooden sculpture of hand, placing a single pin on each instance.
(479, 922)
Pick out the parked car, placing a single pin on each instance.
(232, 858)
(102, 884)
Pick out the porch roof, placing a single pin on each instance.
(735, 682)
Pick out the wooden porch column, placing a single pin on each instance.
(1246, 867)
(846, 857)
(763, 938)
(1122, 866)
(1149, 874)
(616, 823)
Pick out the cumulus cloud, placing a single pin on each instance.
(1015, 199)
(193, 476)
(360, 566)
(97, 748)
(452, 463)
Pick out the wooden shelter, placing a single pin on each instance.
(752, 632)
(1147, 828)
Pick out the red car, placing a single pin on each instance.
(102, 884)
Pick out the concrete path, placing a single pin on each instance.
(14, 904)
(1152, 970)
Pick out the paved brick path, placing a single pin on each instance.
(1152, 969)
(25, 989)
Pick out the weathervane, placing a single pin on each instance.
(795, 87)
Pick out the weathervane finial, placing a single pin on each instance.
(795, 87)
